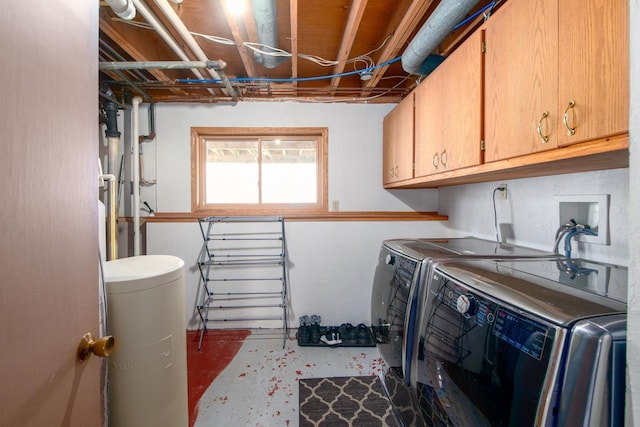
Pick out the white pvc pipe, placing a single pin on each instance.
(184, 32)
(136, 176)
(123, 8)
(162, 32)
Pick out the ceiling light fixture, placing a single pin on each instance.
(236, 7)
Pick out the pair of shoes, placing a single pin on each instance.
(310, 320)
(348, 333)
(364, 335)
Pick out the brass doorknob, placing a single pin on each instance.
(101, 347)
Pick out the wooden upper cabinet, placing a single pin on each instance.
(550, 95)
(448, 112)
(521, 79)
(397, 142)
(557, 73)
(594, 69)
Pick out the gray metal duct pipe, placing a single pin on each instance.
(266, 17)
(439, 25)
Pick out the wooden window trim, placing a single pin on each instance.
(198, 205)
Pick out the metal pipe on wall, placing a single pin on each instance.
(186, 35)
(136, 175)
(112, 228)
(113, 141)
(164, 34)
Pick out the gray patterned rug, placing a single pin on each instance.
(344, 401)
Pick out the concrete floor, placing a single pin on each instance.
(259, 387)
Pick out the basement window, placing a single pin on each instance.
(258, 171)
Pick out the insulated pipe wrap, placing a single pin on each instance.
(439, 25)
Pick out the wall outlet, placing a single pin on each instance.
(335, 205)
(503, 193)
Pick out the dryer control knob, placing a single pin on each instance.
(466, 304)
(390, 259)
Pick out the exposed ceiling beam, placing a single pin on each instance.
(356, 11)
(293, 12)
(245, 53)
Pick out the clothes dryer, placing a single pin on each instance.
(521, 342)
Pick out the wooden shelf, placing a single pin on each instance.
(312, 217)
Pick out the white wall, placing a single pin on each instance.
(355, 151)
(633, 345)
(531, 212)
(332, 263)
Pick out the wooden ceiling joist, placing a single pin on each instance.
(356, 11)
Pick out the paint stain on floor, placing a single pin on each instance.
(260, 386)
(219, 347)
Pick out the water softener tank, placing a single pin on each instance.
(148, 369)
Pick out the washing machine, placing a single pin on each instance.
(521, 342)
(398, 293)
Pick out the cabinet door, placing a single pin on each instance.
(521, 79)
(449, 112)
(397, 143)
(594, 69)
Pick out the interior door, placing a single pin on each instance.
(48, 213)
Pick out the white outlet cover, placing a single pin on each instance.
(591, 209)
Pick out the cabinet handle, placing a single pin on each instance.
(436, 160)
(443, 157)
(396, 172)
(565, 119)
(545, 138)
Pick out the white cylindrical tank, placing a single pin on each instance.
(148, 369)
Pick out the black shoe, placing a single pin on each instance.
(304, 335)
(364, 337)
(315, 333)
